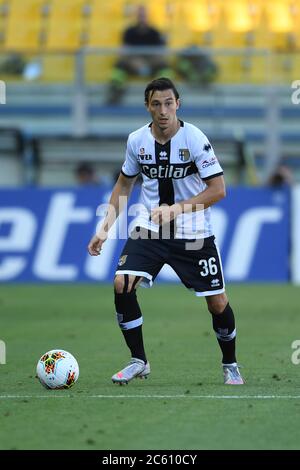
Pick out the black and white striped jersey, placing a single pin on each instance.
(171, 173)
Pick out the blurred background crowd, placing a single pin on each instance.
(74, 72)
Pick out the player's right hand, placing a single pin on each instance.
(95, 246)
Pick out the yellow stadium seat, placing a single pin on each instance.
(66, 10)
(189, 21)
(107, 10)
(256, 12)
(279, 17)
(282, 68)
(261, 38)
(296, 67)
(22, 36)
(64, 31)
(58, 68)
(27, 10)
(159, 15)
(23, 25)
(106, 24)
(220, 37)
(64, 38)
(98, 68)
(3, 9)
(2, 24)
(178, 38)
(196, 15)
(230, 68)
(279, 23)
(105, 35)
(2, 28)
(296, 40)
(259, 70)
(239, 17)
(295, 14)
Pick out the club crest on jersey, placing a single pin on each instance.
(142, 151)
(184, 155)
(122, 260)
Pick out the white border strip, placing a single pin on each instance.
(295, 214)
(187, 396)
(210, 292)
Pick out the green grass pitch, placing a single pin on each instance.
(183, 404)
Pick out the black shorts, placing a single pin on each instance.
(199, 267)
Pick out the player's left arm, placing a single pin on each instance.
(214, 192)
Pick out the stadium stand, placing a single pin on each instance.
(254, 42)
(66, 22)
(51, 25)
(56, 157)
(236, 113)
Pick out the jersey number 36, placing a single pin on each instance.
(208, 267)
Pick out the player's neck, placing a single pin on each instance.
(162, 136)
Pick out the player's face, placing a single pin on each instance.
(163, 106)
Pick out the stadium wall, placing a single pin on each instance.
(44, 235)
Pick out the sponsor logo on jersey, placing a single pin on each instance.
(143, 157)
(142, 151)
(184, 155)
(122, 260)
(207, 147)
(206, 163)
(168, 171)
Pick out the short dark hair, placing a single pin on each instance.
(160, 84)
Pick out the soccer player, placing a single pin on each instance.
(182, 178)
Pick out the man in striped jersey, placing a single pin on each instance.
(182, 178)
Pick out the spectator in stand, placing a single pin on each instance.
(281, 177)
(141, 34)
(196, 67)
(85, 174)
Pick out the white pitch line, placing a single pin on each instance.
(187, 396)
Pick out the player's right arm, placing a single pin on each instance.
(118, 200)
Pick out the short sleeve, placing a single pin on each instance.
(131, 166)
(207, 162)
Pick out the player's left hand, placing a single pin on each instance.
(164, 214)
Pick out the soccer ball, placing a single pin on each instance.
(57, 369)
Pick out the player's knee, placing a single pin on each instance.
(217, 304)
